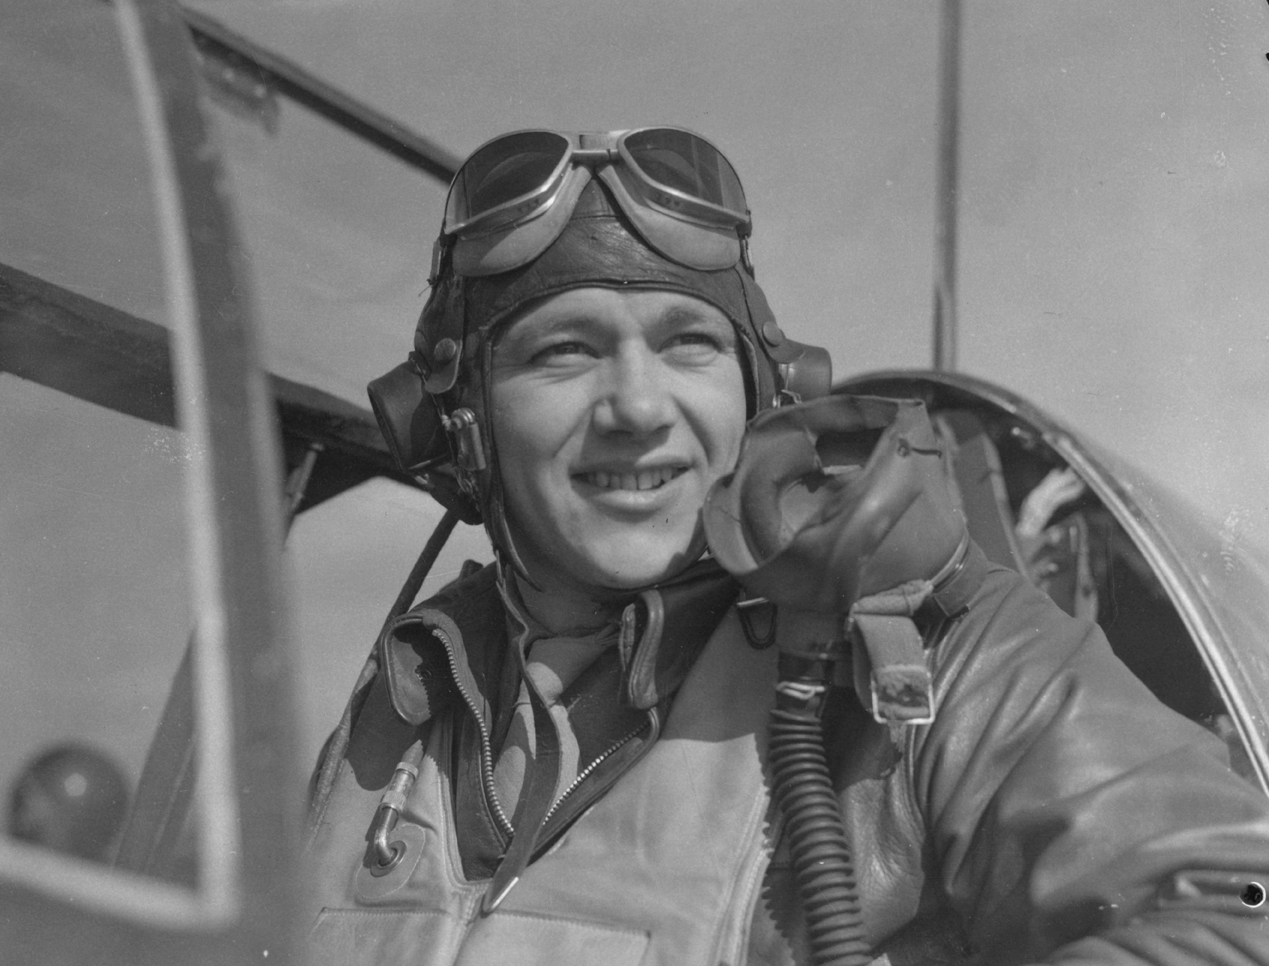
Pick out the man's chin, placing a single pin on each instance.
(620, 561)
(635, 572)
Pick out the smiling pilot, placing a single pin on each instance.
(567, 757)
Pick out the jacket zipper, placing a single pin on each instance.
(486, 749)
(590, 769)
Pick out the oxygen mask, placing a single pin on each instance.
(839, 513)
(835, 500)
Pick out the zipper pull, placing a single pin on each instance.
(536, 801)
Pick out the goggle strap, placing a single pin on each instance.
(438, 255)
(442, 359)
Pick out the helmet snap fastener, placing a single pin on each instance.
(445, 350)
(771, 332)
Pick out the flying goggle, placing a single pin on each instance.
(515, 194)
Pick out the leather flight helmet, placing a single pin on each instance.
(433, 410)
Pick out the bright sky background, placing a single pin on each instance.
(1115, 166)
(1113, 244)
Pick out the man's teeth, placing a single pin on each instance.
(643, 480)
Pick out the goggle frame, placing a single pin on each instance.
(483, 242)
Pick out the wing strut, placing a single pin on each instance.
(945, 204)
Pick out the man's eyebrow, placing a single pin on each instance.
(687, 314)
(540, 328)
(673, 317)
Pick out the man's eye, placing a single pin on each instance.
(561, 352)
(694, 344)
(698, 338)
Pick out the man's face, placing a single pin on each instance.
(613, 413)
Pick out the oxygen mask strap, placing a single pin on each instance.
(891, 678)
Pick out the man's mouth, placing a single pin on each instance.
(641, 480)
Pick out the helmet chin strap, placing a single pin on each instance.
(601, 596)
(493, 505)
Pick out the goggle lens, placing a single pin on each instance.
(511, 198)
(684, 162)
(506, 169)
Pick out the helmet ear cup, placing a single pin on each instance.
(408, 419)
(787, 370)
(414, 429)
(807, 375)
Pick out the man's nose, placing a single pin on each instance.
(635, 398)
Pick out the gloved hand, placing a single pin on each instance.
(833, 500)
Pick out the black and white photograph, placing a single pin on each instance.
(596, 483)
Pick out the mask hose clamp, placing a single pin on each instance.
(387, 855)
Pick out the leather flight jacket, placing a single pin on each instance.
(1053, 810)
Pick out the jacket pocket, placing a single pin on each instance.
(374, 937)
(520, 939)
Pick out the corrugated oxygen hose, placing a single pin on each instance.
(822, 862)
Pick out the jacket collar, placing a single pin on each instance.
(662, 632)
